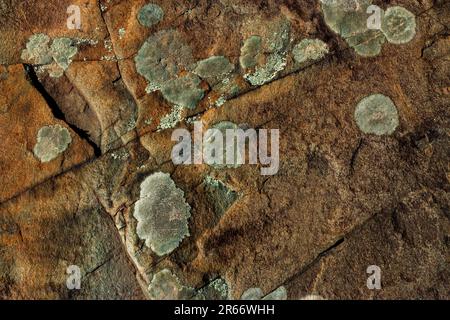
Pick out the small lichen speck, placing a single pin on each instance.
(377, 115)
(213, 68)
(51, 142)
(150, 14)
(162, 214)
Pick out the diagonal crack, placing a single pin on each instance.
(56, 110)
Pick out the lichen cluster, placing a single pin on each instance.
(162, 214)
(215, 290)
(54, 58)
(51, 142)
(349, 18)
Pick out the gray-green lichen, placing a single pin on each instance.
(349, 18)
(276, 45)
(215, 290)
(399, 25)
(160, 60)
(51, 142)
(309, 50)
(150, 15)
(377, 114)
(172, 119)
(166, 286)
(252, 294)
(278, 294)
(250, 52)
(162, 57)
(257, 294)
(184, 91)
(54, 58)
(162, 214)
(219, 195)
(37, 50)
(214, 69)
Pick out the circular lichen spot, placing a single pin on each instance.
(250, 52)
(399, 25)
(51, 141)
(377, 114)
(167, 286)
(309, 50)
(150, 14)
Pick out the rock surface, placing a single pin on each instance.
(342, 200)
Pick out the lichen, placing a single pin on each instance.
(213, 69)
(162, 214)
(257, 294)
(162, 57)
(172, 119)
(51, 142)
(62, 51)
(54, 58)
(250, 52)
(399, 25)
(252, 294)
(275, 63)
(215, 290)
(166, 286)
(184, 92)
(349, 19)
(309, 50)
(37, 50)
(219, 195)
(278, 294)
(150, 15)
(377, 114)
(276, 45)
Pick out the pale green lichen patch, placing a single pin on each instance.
(219, 196)
(162, 57)
(377, 114)
(54, 58)
(215, 290)
(257, 294)
(62, 51)
(166, 286)
(399, 25)
(309, 50)
(278, 294)
(349, 18)
(51, 142)
(250, 52)
(184, 92)
(367, 44)
(276, 47)
(162, 214)
(172, 119)
(214, 69)
(252, 294)
(37, 50)
(150, 15)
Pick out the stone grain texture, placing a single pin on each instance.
(341, 201)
